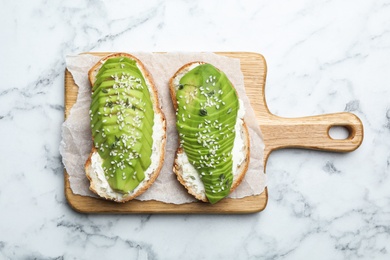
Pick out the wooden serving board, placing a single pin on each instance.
(307, 132)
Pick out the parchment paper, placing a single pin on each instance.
(76, 133)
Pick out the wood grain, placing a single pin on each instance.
(278, 132)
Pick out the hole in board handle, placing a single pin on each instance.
(338, 132)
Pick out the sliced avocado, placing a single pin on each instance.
(126, 74)
(124, 78)
(136, 99)
(122, 123)
(116, 65)
(206, 116)
(113, 124)
(116, 60)
(115, 110)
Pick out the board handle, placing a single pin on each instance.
(313, 132)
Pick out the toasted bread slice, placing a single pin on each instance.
(93, 166)
(185, 171)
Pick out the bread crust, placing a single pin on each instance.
(177, 167)
(91, 175)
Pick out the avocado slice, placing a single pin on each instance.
(122, 120)
(206, 116)
(123, 77)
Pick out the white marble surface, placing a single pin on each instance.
(323, 57)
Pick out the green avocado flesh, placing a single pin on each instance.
(206, 117)
(122, 116)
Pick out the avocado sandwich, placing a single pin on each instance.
(128, 129)
(213, 153)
